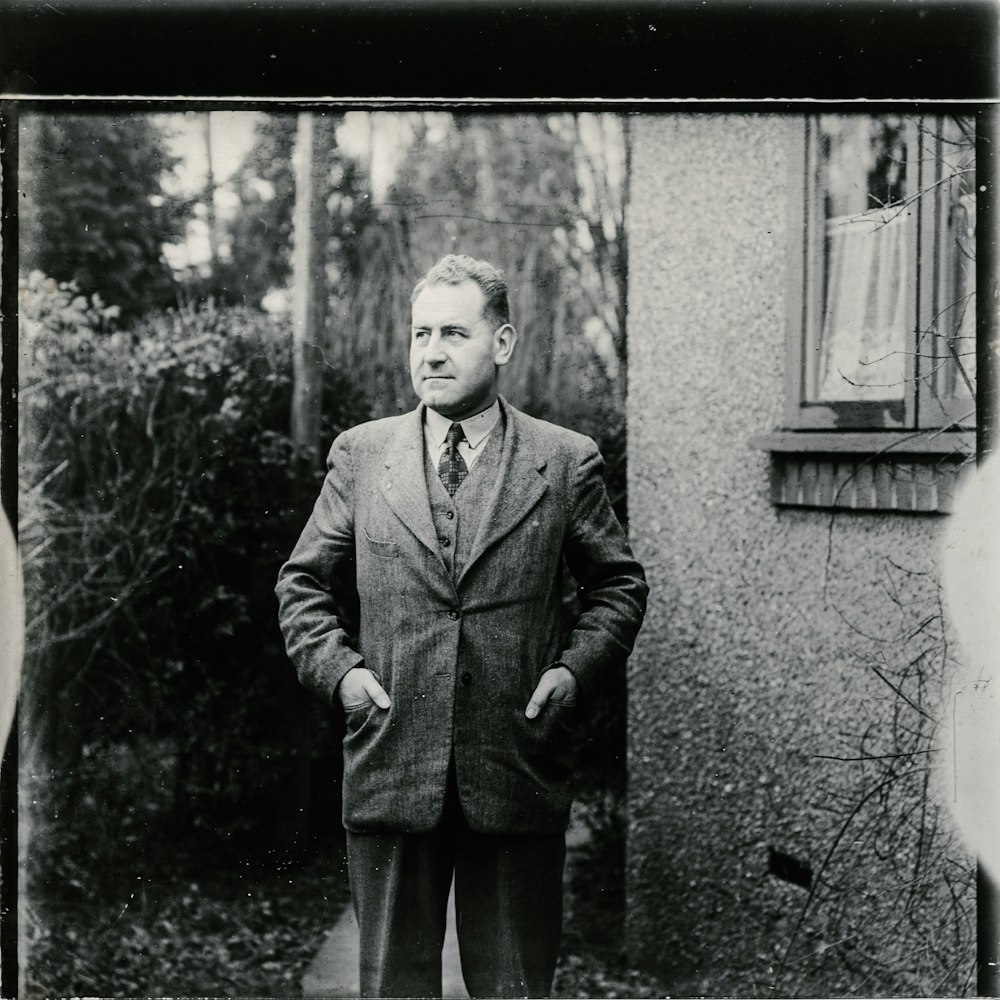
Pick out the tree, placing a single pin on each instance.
(311, 226)
(259, 235)
(95, 211)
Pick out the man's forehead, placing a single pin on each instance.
(438, 300)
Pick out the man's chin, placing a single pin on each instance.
(437, 399)
(443, 399)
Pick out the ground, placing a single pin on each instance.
(186, 929)
(189, 928)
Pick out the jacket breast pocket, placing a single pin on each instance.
(388, 550)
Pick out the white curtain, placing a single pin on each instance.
(864, 316)
(963, 294)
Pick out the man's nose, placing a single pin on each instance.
(435, 353)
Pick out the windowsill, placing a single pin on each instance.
(859, 470)
(890, 444)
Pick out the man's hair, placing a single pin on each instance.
(456, 268)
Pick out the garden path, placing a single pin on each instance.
(334, 970)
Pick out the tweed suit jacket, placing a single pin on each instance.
(459, 656)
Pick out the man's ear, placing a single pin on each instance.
(504, 341)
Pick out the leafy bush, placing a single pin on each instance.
(161, 495)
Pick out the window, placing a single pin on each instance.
(881, 341)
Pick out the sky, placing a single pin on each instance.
(232, 137)
(378, 138)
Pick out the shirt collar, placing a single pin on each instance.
(476, 428)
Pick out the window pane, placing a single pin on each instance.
(868, 221)
(955, 326)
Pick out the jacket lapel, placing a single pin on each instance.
(403, 484)
(519, 486)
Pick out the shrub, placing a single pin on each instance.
(161, 493)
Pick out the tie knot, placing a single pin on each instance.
(455, 434)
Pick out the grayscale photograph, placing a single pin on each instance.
(485, 551)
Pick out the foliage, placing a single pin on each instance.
(161, 495)
(94, 210)
(260, 234)
(181, 928)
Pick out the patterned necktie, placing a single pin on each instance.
(452, 468)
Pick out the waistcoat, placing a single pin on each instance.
(456, 519)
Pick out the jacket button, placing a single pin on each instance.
(466, 678)
(453, 615)
(445, 543)
(449, 514)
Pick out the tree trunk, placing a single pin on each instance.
(311, 228)
(209, 195)
(309, 293)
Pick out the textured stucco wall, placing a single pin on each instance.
(764, 623)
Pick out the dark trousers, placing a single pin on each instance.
(508, 904)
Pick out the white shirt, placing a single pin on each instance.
(477, 430)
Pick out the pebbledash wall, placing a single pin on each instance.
(755, 665)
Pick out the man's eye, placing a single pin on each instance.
(419, 334)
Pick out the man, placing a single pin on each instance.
(425, 596)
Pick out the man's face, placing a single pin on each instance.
(454, 352)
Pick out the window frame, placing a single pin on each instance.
(828, 455)
(927, 288)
